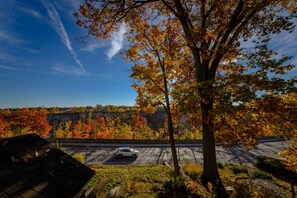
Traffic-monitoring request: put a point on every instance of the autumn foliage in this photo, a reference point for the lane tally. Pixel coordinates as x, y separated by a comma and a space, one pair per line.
23, 121
81, 122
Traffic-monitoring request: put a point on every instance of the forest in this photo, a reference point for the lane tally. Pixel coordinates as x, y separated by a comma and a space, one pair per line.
98, 122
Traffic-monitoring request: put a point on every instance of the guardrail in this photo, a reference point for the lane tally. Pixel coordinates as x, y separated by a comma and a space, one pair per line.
117, 141
78, 141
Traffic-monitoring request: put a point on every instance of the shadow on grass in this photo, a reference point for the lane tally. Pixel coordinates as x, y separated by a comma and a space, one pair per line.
123, 160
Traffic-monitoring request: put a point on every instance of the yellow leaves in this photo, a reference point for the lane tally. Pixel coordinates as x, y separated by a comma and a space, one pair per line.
132, 52
255, 116
290, 154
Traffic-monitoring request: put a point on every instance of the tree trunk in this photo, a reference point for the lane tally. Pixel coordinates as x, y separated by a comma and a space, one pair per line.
210, 168
210, 171
169, 119
172, 141
170, 130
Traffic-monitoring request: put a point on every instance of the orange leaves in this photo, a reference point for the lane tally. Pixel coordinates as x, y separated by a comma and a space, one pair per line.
132, 52
4, 132
265, 116
100, 129
26, 120
139, 120
290, 153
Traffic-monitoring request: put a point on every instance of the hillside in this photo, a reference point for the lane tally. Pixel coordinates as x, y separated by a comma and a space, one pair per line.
107, 122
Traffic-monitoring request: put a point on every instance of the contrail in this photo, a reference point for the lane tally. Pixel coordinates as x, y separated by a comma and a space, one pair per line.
60, 29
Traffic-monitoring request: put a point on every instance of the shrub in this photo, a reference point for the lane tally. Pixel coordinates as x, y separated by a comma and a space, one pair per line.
220, 165
238, 169
276, 167
243, 190
80, 157
175, 187
193, 170
261, 175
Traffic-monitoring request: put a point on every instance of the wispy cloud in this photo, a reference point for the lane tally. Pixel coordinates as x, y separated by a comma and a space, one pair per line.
285, 43
91, 46
31, 50
8, 57
11, 8
67, 70
28, 10
8, 68
10, 39
60, 29
117, 41
104, 76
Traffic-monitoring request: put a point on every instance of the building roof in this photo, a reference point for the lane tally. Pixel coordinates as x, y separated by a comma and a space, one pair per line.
31, 167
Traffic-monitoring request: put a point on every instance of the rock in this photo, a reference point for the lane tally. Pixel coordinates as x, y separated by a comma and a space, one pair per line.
229, 189
268, 188
113, 192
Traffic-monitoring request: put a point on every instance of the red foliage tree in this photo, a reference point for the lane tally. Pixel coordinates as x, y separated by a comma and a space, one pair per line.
25, 121
101, 131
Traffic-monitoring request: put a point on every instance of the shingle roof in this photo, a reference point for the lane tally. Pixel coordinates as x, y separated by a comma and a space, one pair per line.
31, 167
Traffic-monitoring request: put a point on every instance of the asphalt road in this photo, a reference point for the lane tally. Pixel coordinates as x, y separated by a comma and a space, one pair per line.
157, 154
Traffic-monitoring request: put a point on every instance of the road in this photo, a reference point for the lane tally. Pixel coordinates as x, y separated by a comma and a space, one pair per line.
157, 154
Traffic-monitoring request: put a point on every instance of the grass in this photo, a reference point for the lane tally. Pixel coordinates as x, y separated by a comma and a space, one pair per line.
277, 168
159, 181
136, 180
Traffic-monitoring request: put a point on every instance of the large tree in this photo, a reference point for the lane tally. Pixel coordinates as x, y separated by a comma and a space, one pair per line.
155, 54
213, 31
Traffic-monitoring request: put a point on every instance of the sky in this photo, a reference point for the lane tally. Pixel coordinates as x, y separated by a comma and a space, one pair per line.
44, 61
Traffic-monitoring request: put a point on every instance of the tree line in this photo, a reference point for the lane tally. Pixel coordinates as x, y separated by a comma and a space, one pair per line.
118, 122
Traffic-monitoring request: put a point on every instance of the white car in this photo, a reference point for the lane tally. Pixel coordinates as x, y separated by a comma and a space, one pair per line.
127, 152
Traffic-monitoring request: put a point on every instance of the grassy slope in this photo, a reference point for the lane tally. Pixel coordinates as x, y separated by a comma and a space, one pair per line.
158, 181
146, 180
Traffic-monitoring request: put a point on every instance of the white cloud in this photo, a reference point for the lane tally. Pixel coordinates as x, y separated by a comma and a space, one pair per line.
8, 68
60, 29
226, 62
9, 57
31, 50
10, 39
29, 11
67, 70
285, 42
91, 47
117, 41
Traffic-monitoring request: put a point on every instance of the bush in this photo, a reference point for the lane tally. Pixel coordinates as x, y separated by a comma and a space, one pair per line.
276, 167
238, 169
243, 190
80, 157
249, 189
193, 170
261, 175
220, 165
175, 187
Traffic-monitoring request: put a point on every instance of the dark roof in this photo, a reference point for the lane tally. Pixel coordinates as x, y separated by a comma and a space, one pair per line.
31, 167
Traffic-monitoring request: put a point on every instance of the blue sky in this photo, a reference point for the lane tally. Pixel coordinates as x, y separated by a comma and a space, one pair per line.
44, 63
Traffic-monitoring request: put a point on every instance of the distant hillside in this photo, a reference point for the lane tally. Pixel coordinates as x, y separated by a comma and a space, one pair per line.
105, 122
74, 114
